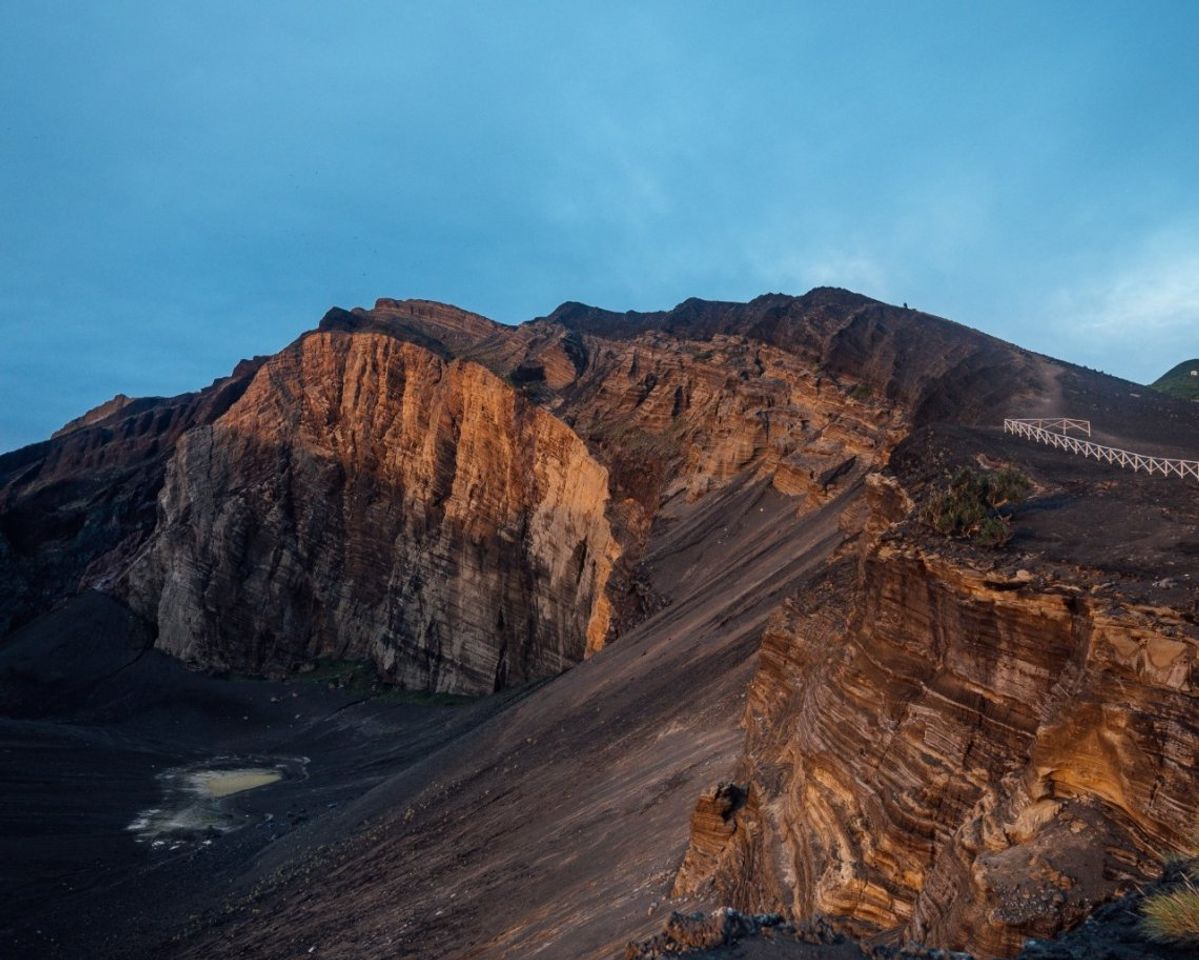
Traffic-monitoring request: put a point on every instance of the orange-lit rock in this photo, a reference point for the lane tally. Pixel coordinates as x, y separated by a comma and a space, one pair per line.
963, 755
368, 499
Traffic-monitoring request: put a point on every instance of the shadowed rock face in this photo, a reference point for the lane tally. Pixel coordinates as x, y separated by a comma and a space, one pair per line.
76, 508
366, 499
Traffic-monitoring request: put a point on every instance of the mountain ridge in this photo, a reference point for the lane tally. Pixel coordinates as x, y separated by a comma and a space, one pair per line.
665, 554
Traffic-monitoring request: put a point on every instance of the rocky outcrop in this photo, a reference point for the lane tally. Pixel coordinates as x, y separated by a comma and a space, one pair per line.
369, 499
101, 412
939, 747
673, 417
677, 410
681, 418
714, 827
967, 756
74, 509
727, 857
935, 368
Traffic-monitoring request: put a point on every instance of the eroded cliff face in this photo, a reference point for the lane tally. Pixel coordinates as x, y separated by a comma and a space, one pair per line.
677, 412
682, 418
673, 418
937, 746
75, 508
367, 498
969, 756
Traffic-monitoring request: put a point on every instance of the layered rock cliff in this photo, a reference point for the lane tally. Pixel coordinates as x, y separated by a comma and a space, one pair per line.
968, 755
75, 508
368, 499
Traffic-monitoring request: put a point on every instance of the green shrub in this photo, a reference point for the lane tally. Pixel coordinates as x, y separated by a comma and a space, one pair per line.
993, 532
1008, 485
1172, 916
969, 505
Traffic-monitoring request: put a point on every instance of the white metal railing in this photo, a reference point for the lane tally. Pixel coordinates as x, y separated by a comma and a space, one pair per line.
1045, 431
1062, 424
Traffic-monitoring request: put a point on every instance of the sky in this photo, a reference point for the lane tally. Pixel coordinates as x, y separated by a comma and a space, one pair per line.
184, 184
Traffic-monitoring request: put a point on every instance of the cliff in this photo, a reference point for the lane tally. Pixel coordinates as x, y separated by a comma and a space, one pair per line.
968, 755
74, 509
367, 499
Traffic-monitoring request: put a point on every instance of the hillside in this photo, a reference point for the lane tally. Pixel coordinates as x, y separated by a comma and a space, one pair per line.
1181, 381
526, 600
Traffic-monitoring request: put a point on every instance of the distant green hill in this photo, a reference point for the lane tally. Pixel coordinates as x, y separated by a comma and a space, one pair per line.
1179, 382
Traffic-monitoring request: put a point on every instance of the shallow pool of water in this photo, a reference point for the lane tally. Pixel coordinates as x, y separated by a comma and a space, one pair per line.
195, 805
225, 783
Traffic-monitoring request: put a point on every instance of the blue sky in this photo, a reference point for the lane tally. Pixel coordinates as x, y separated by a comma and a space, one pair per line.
184, 184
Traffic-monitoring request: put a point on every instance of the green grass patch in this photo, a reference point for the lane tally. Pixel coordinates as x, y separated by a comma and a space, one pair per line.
1172, 916
1179, 382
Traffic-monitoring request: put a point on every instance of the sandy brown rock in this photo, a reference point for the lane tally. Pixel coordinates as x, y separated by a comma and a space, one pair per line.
970, 758
703, 412
727, 854
368, 499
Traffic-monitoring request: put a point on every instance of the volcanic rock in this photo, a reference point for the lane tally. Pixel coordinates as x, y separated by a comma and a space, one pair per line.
969, 760
367, 499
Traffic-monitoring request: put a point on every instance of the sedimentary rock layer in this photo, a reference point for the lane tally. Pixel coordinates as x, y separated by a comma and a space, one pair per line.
971, 757
368, 499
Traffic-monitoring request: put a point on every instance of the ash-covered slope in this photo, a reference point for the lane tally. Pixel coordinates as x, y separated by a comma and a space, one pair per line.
934, 368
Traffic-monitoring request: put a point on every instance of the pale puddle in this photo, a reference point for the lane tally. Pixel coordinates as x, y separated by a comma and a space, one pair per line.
193, 808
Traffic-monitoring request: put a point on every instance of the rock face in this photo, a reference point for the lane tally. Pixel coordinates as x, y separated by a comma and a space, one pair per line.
964, 755
368, 499
75, 508
726, 858
102, 412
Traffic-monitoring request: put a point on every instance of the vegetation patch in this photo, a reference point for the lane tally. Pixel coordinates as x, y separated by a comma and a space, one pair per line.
1172, 916
1181, 382
361, 677
977, 505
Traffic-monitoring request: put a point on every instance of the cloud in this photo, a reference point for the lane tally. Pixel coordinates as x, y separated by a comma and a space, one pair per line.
789, 269
1153, 297
1144, 311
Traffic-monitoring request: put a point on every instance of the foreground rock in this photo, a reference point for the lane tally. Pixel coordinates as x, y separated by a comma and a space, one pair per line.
960, 754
